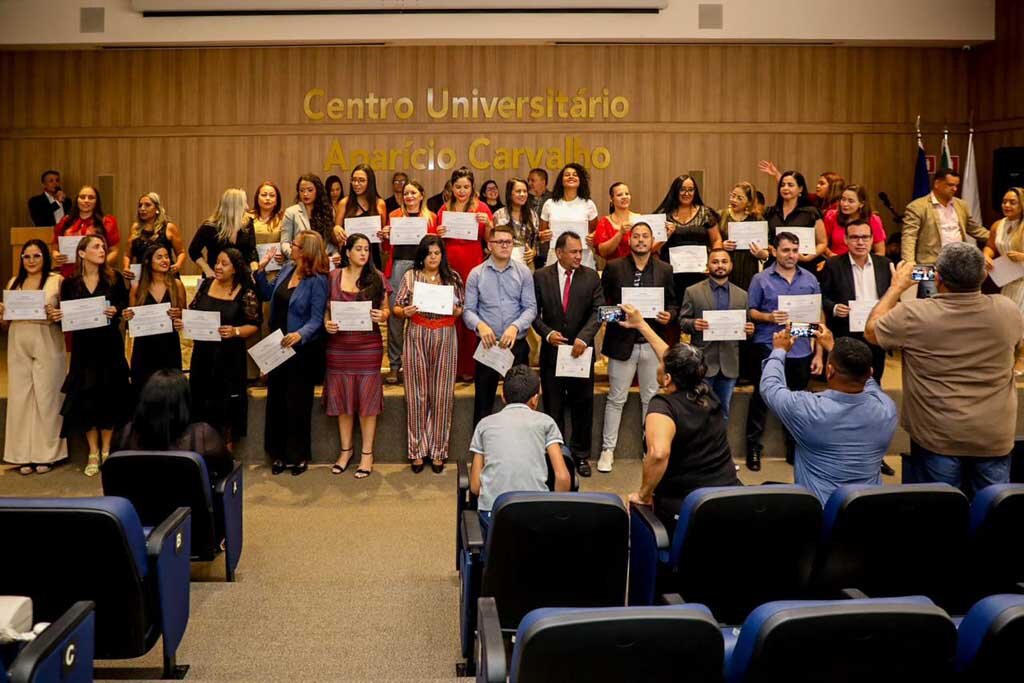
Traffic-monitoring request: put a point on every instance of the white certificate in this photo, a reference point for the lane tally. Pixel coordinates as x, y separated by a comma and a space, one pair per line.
657, 223
802, 308
725, 325
408, 230
749, 231
498, 358
519, 254
567, 366
581, 228
69, 246
860, 309
806, 237
201, 325
438, 299
136, 269
688, 259
22, 304
460, 225
83, 314
269, 353
1005, 271
150, 320
367, 225
650, 301
264, 249
352, 316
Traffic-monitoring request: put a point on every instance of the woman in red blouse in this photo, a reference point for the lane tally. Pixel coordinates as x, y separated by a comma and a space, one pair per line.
853, 206
86, 218
465, 255
612, 233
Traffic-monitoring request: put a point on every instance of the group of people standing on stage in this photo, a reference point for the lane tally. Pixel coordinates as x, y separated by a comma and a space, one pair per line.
269, 268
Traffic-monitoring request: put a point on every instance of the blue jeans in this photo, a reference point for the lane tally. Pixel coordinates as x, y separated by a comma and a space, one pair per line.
722, 386
969, 474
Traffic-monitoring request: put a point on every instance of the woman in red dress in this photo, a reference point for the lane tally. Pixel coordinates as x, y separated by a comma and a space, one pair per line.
86, 218
465, 255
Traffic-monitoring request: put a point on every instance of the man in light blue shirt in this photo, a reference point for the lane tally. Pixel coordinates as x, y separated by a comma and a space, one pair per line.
500, 307
841, 433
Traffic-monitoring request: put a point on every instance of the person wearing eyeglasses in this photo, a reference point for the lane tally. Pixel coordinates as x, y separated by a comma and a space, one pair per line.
500, 307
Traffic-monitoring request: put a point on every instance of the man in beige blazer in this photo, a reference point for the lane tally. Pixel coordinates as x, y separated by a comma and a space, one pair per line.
937, 219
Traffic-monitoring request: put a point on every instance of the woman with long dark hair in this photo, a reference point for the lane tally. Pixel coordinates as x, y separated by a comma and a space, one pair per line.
362, 200
335, 190
431, 350
524, 221
163, 422
35, 369
86, 218
353, 385
96, 389
792, 208
218, 369
854, 206
231, 225
570, 202
153, 226
311, 211
156, 286
491, 195
688, 222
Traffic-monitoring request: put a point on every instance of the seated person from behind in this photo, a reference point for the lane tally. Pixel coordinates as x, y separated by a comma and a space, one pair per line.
841, 433
687, 442
162, 422
509, 447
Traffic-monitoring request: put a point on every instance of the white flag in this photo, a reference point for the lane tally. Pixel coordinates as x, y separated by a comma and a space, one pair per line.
970, 187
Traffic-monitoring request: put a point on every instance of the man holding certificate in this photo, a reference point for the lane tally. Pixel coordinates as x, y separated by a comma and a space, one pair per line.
500, 305
781, 279
628, 353
714, 314
568, 296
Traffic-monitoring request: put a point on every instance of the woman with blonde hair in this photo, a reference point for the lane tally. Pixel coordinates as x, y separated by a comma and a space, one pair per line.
231, 225
742, 207
152, 226
1006, 238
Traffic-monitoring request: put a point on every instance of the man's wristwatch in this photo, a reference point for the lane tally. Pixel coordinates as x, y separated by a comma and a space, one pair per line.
237, 333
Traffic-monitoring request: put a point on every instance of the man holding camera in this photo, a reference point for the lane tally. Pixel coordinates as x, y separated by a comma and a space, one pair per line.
959, 395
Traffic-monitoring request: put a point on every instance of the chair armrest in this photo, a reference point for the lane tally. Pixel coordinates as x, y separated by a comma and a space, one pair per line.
491, 668
671, 599
463, 478
646, 514
169, 548
472, 534
852, 594
228, 495
63, 652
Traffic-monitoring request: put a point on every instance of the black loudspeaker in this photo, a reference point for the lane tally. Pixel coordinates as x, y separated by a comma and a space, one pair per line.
1007, 172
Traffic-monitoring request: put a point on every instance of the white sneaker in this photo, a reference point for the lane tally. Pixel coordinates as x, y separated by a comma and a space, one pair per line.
604, 463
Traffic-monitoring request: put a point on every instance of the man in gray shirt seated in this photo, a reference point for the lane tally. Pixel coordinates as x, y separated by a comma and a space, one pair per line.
509, 447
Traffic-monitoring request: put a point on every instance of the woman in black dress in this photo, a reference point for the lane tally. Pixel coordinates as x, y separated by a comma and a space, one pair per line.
218, 370
96, 389
156, 286
230, 226
688, 222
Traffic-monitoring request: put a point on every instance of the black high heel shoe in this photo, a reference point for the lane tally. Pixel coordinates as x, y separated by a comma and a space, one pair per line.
416, 469
437, 466
300, 468
277, 467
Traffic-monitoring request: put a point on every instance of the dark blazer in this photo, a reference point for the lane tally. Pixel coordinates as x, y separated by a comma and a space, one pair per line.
722, 355
579, 321
618, 273
307, 305
837, 288
41, 210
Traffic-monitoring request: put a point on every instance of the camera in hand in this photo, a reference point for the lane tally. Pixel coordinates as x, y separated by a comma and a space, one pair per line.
610, 314
803, 329
923, 274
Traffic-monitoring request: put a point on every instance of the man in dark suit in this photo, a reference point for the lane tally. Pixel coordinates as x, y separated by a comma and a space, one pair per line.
49, 207
722, 358
857, 276
568, 296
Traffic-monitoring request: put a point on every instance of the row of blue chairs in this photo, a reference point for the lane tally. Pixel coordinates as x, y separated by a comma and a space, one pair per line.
882, 640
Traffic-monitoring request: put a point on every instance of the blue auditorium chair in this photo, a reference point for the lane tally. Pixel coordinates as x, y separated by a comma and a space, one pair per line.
996, 553
543, 550
158, 482
96, 549
888, 640
603, 644
733, 549
884, 541
991, 644
62, 653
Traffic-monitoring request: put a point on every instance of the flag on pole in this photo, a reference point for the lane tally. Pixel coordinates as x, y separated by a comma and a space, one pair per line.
946, 159
970, 186
922, 184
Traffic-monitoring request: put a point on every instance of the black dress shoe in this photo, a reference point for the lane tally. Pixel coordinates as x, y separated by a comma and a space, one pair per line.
278, 467
583, 467
437, 466
416, 469
886, 470
754, 460
300, 468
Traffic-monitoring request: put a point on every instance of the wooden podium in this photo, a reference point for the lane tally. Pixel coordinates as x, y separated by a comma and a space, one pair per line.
21, 235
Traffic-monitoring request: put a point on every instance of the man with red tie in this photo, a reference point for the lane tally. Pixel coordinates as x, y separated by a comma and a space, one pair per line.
568, 296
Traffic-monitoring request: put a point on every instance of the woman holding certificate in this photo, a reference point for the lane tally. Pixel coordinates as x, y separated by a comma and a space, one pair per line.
218, 369
96, 389
465, 254
362, 200
156, 286
688, 222
793, 209
267, 215
402, 256
229, 226
86, 218
35, 364
153, 227
297, 298
1005, 238
743, 207
612, 233
354, 351
430, 355
524, 221
570, 208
